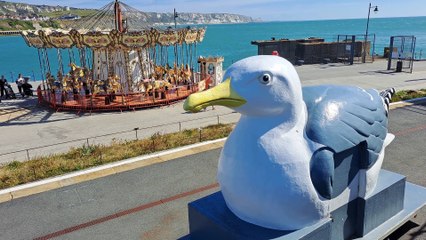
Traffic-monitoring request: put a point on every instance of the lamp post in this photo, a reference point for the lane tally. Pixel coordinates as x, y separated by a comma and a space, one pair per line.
376, 9
175, 15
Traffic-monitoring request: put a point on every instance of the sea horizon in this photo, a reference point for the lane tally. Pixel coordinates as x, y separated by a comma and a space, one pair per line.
233, 41
338, 19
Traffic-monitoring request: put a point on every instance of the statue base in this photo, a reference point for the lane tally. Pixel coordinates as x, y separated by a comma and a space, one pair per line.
393, 202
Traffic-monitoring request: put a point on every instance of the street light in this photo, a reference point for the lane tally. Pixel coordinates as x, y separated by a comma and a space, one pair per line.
376, 9
175, 15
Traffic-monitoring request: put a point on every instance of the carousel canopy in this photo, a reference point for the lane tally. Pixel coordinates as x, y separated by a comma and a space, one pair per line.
114, 38
116, 25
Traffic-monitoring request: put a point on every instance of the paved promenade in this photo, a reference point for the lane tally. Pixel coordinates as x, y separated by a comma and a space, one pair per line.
24, 125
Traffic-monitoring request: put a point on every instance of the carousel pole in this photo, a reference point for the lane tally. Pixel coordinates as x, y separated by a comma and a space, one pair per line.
118, 17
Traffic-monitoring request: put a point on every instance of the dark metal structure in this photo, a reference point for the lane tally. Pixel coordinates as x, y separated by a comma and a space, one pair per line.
401, 53
313, 50
349, 50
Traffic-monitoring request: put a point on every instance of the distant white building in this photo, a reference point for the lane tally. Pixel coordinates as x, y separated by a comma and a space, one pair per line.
69, 17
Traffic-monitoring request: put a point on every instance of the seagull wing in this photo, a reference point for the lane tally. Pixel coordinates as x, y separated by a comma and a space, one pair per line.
342, 117
351, 125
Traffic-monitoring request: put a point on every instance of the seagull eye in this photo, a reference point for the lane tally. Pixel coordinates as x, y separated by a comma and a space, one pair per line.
265, 78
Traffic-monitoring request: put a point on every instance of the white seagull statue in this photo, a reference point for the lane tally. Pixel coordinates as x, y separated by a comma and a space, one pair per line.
296, 153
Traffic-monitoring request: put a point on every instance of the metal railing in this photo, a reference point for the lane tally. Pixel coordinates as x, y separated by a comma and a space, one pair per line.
134, 133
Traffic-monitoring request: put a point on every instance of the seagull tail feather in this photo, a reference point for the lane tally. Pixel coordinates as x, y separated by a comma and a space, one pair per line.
387, 97
389, 138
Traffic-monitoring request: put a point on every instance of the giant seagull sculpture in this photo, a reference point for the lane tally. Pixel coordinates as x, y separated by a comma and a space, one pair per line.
296, 153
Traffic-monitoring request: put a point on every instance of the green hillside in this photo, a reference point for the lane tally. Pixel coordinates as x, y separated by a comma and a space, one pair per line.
13, 24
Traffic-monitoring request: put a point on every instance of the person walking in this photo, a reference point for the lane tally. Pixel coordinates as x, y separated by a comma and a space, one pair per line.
19, 83
2, 84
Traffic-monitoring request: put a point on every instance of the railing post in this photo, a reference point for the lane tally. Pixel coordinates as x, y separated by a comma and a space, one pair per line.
153, 144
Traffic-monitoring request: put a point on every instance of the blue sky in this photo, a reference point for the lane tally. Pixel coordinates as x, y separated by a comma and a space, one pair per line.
267, 10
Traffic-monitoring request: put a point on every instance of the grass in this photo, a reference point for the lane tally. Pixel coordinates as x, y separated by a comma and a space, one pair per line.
16, 173
13, 24
408, 94
50, 24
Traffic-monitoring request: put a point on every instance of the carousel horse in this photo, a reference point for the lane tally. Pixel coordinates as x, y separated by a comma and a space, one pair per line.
67, 83
159, 72
114, 83
147, 86
76, 70
97, 86
187, 73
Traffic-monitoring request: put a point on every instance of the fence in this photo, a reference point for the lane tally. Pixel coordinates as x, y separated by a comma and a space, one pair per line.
401, 53
134, 133
355, 48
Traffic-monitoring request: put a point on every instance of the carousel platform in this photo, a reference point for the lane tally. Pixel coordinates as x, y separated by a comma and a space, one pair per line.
113, 102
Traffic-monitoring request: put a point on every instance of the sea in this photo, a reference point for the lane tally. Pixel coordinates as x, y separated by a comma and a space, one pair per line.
233, 41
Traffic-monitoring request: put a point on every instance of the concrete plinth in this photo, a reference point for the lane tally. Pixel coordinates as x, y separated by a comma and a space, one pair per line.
390, 204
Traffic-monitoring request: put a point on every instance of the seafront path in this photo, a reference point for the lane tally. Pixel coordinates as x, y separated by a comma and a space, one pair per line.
24, 125
150, 202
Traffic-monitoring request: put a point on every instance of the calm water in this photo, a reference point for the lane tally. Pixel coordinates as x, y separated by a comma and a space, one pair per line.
233, 41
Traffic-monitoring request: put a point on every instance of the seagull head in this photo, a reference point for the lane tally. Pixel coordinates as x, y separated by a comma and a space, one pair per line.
255, 86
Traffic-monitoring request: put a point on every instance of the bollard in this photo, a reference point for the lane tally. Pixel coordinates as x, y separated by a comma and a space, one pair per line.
28, 155
87, 140
218, 121
180, 127
136, 132
200, 133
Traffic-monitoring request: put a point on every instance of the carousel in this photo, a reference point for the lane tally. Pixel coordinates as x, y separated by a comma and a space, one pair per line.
113, 61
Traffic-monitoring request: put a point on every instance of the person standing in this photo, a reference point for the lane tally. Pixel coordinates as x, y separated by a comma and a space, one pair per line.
19, 83
27, 88
2, 84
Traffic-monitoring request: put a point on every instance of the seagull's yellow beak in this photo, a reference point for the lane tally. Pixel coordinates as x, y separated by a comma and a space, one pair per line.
222, 94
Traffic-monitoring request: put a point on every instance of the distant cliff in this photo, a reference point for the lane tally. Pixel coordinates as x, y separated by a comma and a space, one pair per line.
35, 12
23, 10
197, 18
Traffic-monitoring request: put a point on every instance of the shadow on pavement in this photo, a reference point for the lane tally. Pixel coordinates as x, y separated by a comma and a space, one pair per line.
416, 80
404, 229
27, 111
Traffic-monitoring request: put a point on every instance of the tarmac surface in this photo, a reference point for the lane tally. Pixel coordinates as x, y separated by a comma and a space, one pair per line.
150, 202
